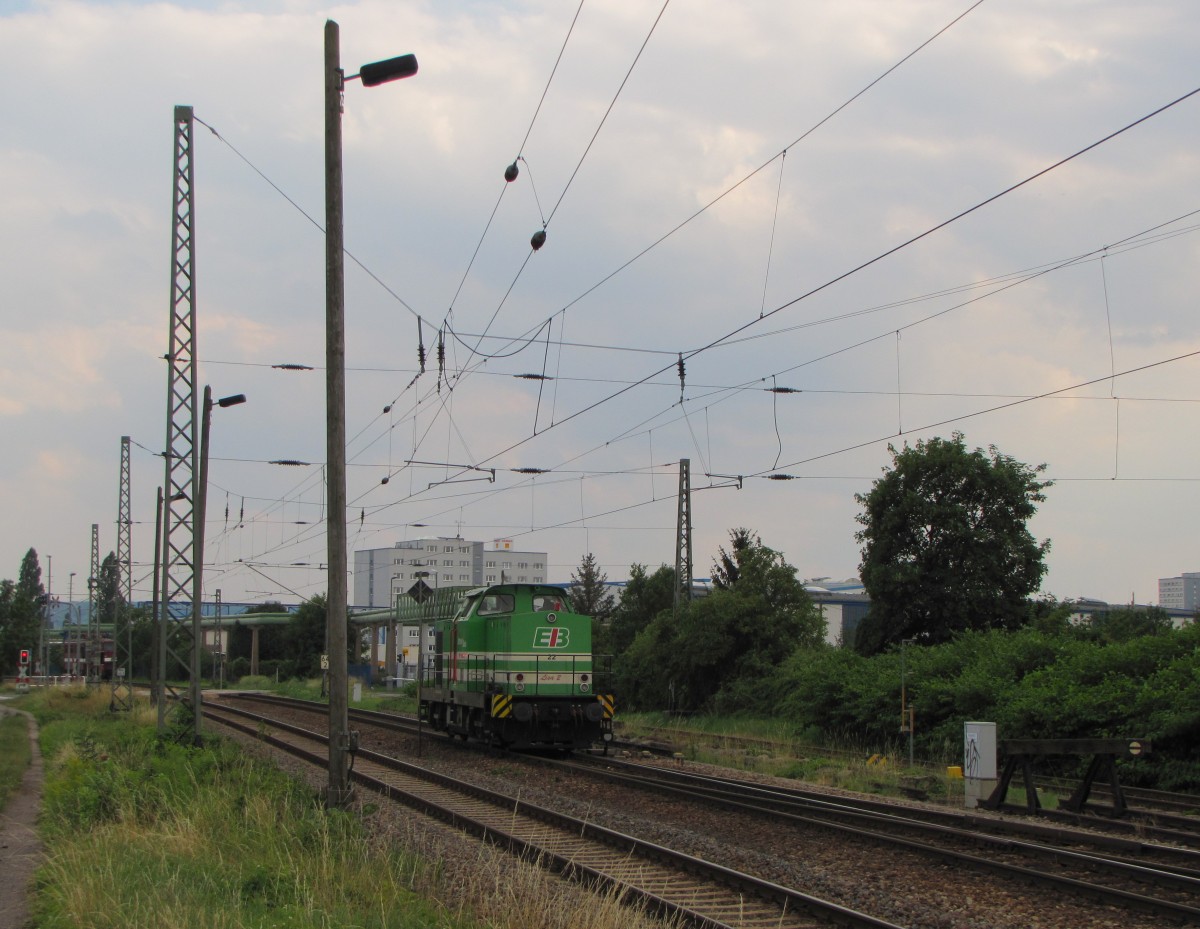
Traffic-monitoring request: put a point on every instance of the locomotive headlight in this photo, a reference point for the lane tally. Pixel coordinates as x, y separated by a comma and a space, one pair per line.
583, 677
520, 677
583, 688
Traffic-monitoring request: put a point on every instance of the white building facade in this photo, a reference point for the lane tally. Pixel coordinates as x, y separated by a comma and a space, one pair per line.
381, 573
1180, 593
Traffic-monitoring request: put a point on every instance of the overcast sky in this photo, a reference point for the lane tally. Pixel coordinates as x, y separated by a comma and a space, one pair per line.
1058, 322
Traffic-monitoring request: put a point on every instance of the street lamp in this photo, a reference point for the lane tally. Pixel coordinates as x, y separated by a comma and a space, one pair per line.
69, 620
338, 792
200, 496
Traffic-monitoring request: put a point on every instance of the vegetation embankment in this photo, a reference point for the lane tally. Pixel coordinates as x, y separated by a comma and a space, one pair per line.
142, 831
1069, 682
951, 632
15, 754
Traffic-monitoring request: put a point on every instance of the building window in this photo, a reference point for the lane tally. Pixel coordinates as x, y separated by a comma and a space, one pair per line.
491, 577
522, 565
490, 564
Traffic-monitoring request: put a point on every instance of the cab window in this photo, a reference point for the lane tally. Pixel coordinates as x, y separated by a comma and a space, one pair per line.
495, 603
547, 604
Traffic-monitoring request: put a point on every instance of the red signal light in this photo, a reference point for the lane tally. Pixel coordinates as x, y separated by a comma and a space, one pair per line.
24, 656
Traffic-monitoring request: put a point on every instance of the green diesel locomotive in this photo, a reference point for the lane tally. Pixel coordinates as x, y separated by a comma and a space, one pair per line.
514, 667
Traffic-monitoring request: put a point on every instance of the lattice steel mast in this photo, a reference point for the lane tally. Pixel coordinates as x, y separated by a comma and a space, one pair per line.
122, 674
683, 536
179, 638
95, 657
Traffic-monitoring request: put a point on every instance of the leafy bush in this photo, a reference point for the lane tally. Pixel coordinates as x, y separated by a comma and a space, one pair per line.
1031, 683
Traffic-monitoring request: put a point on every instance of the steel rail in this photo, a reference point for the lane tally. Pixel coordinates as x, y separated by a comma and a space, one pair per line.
834, 814
670, 882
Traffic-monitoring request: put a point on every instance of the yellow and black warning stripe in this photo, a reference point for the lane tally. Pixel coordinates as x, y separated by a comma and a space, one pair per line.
606, 701
501, 706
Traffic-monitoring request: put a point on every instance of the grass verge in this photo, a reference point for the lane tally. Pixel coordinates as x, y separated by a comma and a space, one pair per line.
15, 754
143, 832
767, 747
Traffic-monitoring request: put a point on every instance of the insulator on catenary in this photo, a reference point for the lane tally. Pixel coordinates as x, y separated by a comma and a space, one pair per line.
388, 408
538, 240
783, 390
511, 172
531, 470
534, 377
781, 477
385, 479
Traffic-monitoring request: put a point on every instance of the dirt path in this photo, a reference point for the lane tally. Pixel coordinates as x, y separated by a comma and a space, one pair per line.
20, 849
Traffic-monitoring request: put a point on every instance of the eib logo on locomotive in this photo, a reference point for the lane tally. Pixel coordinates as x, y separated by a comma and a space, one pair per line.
551, 637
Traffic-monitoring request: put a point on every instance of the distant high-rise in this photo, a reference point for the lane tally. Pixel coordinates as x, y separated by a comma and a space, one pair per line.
1180, 593
381, 573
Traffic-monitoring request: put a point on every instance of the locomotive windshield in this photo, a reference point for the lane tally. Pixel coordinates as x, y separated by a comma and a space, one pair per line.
547, 604
495, 603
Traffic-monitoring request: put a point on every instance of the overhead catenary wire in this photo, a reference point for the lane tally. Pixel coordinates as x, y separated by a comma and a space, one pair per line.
547, 343
1127, 240
1024, 399
862, 266
570, 181
607, 111
725, 193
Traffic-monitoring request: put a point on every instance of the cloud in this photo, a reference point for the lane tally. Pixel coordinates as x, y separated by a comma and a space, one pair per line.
720, 89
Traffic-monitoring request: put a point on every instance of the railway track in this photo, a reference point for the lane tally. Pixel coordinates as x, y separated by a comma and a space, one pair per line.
1122, 871
1108, 869
668, 881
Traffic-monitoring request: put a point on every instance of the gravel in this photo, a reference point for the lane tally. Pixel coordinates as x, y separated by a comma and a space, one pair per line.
903, 887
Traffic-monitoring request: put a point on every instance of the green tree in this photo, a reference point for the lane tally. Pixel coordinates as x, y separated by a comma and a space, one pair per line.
645, 596
269, 606
109, 600
742, 631
945, 543
725, 642
22, 608
727, 568
1128, 622
589, 593
304, 637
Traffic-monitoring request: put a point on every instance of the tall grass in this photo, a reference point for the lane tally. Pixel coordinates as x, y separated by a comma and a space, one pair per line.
15, 754
770, 747
143, 832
